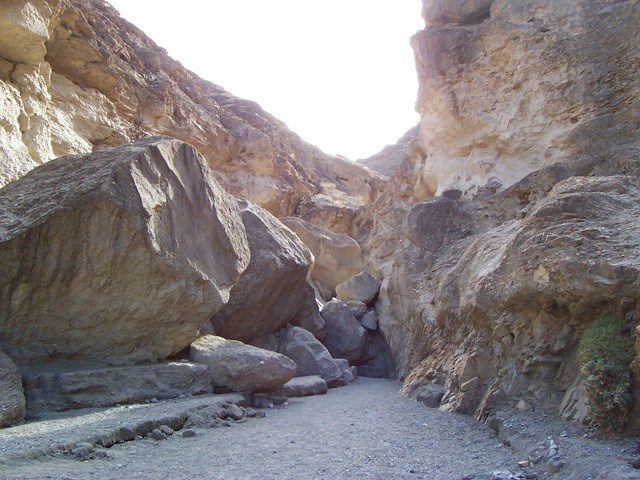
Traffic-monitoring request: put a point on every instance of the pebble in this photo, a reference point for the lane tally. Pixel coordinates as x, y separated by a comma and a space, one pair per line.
157, 434
153, 400
188, 433
166, 429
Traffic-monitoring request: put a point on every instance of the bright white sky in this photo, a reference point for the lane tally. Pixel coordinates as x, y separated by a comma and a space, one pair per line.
340, 73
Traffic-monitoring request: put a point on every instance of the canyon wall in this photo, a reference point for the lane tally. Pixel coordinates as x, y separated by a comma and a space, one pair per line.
75, 77
511, 222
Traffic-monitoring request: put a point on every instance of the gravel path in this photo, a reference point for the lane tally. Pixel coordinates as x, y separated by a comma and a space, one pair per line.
365, 430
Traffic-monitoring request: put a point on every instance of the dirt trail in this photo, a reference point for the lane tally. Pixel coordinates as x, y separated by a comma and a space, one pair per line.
365, 430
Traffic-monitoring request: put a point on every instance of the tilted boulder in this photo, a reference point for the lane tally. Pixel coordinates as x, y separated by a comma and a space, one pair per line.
311, 356
346, 338
239, 367
273, 290
361, 287
12, 400
121, 255
337, 255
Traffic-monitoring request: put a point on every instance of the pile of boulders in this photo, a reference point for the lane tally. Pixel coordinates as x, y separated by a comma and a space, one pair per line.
129, 275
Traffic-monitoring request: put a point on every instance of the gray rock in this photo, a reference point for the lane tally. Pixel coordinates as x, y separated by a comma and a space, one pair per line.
430, 222
429, 394
345, 336
12, 399
304, 386
239, 367
167, 430
234, 412
346, 374
273, 289
62, 386
156, 434
362, 287
188, 433
358, 308
377, 361
370, 320
107, 259
311, 356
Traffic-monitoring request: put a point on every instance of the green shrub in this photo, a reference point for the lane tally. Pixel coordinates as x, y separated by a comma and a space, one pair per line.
605, 353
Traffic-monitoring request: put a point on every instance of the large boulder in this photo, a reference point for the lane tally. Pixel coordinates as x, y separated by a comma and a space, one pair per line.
121, 255
346, 338
12, 400
273, 290
361, 287
239, 367
338, 256
311, 356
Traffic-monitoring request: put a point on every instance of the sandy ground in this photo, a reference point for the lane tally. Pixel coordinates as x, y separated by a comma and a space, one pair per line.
365, 430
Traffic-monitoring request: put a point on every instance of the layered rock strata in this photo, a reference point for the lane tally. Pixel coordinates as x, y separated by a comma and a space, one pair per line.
75, 76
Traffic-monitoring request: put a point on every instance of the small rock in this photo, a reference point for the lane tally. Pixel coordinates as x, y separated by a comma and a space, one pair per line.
524, 406
358, 308
156, 434
137, 437
370, 320
234, 412
167, 430
430, 394
252, 413
153, 400
188, 433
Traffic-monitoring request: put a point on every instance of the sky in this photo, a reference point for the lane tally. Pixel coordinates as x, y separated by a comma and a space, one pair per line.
340, 73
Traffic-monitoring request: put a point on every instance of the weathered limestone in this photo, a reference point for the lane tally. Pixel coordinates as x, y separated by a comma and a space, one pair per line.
239, 367
99, 257
273, 290
65, 387
337, 256
12, 400
95, 80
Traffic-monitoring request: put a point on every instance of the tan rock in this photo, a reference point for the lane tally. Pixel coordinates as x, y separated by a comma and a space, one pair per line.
273, 290
12, 400
361, 287
239, 367
100, 258
337, 256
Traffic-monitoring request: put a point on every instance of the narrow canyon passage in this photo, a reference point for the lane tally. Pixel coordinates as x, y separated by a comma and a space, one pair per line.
364, 430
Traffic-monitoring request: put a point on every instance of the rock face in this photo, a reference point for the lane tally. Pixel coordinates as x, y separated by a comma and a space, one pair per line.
345, 336
337, 256
75, 76
55, 389
239, 367
518, 199
100, 258
488, 114
273, 289
12, 400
